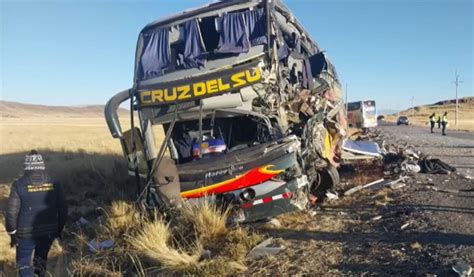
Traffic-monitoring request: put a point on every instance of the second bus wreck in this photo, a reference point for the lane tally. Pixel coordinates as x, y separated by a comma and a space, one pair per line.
249, 105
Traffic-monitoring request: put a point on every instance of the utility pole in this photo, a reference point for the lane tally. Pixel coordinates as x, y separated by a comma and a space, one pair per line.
456, 82
412, 106
347, 102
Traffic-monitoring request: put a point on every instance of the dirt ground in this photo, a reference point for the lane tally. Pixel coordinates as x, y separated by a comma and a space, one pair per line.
412, 231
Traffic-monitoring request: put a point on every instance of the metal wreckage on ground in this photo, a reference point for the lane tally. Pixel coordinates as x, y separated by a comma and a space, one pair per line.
249, 106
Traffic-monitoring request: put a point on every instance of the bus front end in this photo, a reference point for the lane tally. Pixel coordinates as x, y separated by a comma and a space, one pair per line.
236, 104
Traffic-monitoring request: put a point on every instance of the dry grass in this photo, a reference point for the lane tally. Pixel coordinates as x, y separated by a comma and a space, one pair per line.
81, 154
88, 266
209, 221
73, 134
213, 249
196, 243
122, 217
154, 242
78, 152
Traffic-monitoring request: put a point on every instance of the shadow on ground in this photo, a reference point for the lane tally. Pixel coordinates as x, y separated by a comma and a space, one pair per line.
91, 181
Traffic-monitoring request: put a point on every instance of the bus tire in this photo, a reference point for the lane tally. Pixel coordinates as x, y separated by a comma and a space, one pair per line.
327, 178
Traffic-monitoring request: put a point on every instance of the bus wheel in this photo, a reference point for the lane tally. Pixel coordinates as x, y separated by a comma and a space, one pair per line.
326, 178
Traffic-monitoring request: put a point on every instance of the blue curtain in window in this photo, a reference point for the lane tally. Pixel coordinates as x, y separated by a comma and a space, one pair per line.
194, 47
233, 36
156, 54
308, 82
256, 26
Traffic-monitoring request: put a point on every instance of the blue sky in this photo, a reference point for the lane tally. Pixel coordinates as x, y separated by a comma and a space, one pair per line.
81, 52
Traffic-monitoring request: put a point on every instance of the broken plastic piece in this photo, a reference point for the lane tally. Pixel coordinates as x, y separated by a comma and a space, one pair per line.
377, 218
274, 222
82, 222
95, 245
331, 196
397, 185
410, 168
404, 226
360, 187
265, 249
389, 183
462, 269
362, 147
455, 191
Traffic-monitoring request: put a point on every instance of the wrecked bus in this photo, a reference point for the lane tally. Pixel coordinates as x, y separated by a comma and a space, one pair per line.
235, 102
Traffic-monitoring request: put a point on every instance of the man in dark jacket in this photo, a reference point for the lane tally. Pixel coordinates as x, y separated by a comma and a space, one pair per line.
36, 215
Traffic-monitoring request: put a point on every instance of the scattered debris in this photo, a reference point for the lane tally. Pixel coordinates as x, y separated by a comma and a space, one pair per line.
95, 245
81, 222
360, 187
411, 154
410, 168
397, 185
462, 269
348, 156
331, 196
265, 248
376, 218
313, 213
455, 191
365, 148
389, 183
435, 166
465, 176
416, 246
404, 226
274, 222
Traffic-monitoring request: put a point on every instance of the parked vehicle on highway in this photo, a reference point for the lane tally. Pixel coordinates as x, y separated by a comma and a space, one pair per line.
362, 114
236, 103
403, 120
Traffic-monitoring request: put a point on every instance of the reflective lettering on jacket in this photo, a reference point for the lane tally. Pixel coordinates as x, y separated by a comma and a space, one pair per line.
38, 213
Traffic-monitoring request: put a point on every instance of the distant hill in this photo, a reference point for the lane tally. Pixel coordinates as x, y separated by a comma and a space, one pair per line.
419, 115
464, 100
386, 111
21, 110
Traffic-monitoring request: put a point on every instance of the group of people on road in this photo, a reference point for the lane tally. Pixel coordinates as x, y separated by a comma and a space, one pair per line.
441, 120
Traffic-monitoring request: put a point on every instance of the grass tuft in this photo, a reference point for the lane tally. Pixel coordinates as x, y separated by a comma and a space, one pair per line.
153, 241
209, 221
122, 217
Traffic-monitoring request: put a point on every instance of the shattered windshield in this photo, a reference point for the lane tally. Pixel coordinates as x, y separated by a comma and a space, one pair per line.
194, 42
219, 136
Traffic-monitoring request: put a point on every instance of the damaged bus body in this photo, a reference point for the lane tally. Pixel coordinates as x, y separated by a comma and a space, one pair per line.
248, 104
